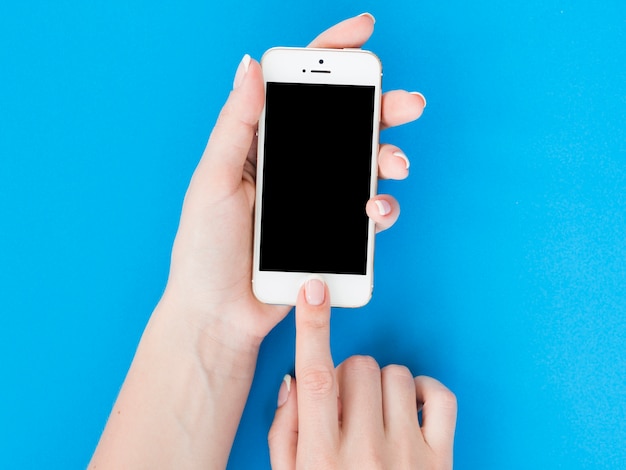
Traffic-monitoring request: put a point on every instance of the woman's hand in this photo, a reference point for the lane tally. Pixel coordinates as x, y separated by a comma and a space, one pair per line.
356, 416
185, 392
210, 275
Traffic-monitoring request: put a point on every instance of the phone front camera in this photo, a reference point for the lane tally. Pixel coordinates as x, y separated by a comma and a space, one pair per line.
303, 70
321, 61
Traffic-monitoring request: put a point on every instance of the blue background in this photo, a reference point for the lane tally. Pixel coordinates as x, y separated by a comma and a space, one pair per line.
505, 276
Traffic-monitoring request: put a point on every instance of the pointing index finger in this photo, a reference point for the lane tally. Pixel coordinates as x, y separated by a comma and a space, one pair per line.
315, 372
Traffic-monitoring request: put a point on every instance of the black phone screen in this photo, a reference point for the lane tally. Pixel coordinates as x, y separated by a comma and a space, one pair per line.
316, 178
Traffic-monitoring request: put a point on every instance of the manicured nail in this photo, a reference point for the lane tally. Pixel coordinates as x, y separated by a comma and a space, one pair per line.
241, 71
314, 290
283, 393
383, 206
370, 15
403, 157
417, 93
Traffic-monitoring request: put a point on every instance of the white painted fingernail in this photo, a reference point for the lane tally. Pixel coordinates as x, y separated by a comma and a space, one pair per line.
369, 15
403, 157
287, 379
283, 393
314, 290
417, 93
383, 206
241, 71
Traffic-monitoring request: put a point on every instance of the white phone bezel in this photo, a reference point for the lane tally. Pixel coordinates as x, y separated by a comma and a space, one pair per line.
347, 67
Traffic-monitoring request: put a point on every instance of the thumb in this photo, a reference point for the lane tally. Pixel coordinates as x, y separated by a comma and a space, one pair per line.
222, 164
283, 435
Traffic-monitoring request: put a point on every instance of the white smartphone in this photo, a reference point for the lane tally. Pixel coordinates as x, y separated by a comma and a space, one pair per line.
316, 170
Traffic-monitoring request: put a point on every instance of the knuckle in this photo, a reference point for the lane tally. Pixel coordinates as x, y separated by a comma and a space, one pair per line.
316, 322
436, 392
398, 371
448, 399
362, 363
321, 461
316, 380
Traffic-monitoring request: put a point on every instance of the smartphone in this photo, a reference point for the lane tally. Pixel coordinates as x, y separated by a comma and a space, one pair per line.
316, 170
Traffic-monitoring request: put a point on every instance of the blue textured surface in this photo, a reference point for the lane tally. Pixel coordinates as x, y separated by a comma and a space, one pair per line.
505, 276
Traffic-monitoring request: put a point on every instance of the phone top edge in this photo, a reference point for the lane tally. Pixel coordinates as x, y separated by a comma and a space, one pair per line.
326, 49
311, 50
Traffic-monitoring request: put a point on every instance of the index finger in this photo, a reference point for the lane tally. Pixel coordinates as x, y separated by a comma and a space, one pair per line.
398, 106
352, 32
318, 424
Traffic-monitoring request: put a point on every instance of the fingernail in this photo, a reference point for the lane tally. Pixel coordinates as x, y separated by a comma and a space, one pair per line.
314, 290
403, 157
417, 93
241, 71
370, 15
383, 206
283, 393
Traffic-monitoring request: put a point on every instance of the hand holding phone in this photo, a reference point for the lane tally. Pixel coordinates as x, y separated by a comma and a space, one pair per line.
213, 253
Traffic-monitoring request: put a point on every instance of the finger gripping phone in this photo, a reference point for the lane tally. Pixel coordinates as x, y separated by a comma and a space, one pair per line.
316, 170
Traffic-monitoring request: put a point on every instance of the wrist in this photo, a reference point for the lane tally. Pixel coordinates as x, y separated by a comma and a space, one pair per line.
208, 336
184, 387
